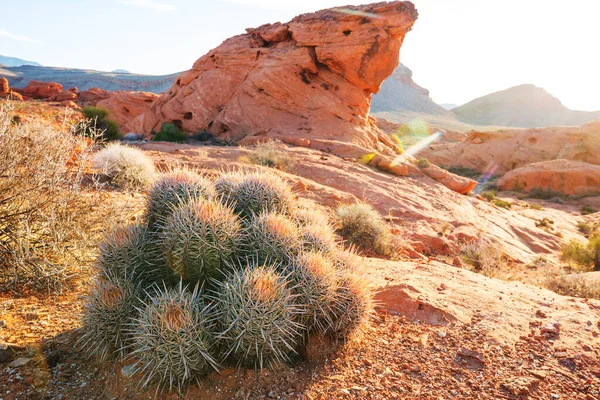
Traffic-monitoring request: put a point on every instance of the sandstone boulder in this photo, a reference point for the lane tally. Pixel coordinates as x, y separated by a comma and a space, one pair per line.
311, 78
6, 92
510, 149
560, 176
42, 90
93, 95
124, 107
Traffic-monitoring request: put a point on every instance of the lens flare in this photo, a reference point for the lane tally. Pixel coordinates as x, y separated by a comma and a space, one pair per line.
358, 12
416, 148
486, 176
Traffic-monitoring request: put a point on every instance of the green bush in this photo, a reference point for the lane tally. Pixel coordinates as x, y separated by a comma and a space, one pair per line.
577, 253
361, 225
125, 167
535, 206
169, 132
584, 228
502, 203
489, 195
98, 121
423, 162
542, 194
587, 209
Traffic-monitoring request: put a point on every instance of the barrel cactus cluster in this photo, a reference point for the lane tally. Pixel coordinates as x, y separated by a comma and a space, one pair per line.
221, 272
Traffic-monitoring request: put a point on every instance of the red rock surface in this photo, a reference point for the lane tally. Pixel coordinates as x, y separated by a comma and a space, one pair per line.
93, 95
42, 90
6, 92
310, 78
510, 149
125, 106
560, 176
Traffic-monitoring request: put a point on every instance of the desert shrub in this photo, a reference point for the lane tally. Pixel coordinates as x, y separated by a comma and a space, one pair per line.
423, 162
171, 338
169, 132
264, 281
269, 154
99, 122
125, 167
466, 172
576, 252
483, 257
544, 223
502, 203
109, 309
361, 225
489, 195
586, 229
535, 206
574, 285
587, 209
258, 316
49, 219
542, 194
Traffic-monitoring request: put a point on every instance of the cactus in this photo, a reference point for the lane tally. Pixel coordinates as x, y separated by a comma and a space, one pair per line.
259, 192
226, 186
306, 213
354, 305
347, 260
200, 239
273, 237
172, 190
318, 238
109, 308
316, 286
171, 338
257, 315
133, 253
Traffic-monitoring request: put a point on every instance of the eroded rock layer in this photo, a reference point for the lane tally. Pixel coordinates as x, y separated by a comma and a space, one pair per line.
312, 78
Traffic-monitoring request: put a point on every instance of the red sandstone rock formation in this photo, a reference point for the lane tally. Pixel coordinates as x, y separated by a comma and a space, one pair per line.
124, 106
560, 176
310, 78
93, 96
6, 92
42, 90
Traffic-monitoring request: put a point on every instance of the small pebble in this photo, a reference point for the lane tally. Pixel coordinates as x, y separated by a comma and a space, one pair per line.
442, 334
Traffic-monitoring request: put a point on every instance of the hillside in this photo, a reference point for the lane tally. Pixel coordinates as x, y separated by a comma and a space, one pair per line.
16, 62
523, 106
85, 79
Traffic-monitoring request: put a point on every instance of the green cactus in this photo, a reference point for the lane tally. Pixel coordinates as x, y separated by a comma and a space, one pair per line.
259, 192
273, 237
257, 315
200, 239
317, 289
172, 190
354, 305
226, 186
110, 306
133, 252
318, 238
171, 338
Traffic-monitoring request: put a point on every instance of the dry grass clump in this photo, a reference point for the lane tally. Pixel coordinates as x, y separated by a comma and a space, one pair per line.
125, 167
270, 154
483, 257
48, 216
575, 285
423, 163
361, 225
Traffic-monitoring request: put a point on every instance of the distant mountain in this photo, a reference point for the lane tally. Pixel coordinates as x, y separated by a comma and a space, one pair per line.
121, 71
16, 62
400, 93
524, 106
449, 106
84, 79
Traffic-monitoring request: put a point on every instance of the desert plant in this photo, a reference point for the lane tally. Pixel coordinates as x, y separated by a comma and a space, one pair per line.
584, 228
489, 195
134, 253
109, 308
319, 238
347, 260
310, 214
544, 223
543, 194
171, 338
273, 237
169, 132
173, 189
258, 192
574, 285
258, 315
594, 250
354, 305
50, 219
502, 203
99, 122
200, 239
423, 163
587, 209
482, 256
125, 167
536, 206
361, 225
575, 252
269, 154
226, 186
317, 290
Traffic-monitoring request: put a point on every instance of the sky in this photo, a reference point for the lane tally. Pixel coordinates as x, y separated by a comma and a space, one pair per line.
458, 49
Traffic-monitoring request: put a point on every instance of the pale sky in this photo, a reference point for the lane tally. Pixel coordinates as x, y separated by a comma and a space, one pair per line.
458, 49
